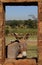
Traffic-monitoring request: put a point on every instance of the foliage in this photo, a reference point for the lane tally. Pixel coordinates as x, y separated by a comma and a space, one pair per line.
6, 30
28, 23
21, 26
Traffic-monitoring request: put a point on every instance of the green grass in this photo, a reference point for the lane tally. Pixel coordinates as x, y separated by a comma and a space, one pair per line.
8, 39
32, 51
25, 30
31, 47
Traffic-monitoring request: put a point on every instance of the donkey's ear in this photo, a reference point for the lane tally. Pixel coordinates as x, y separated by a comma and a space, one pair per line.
26, 36
16, 35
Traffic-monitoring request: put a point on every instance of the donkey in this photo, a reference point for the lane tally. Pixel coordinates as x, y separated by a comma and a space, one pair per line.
22, 43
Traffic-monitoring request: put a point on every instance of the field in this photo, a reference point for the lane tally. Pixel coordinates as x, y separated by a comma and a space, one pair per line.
31, 42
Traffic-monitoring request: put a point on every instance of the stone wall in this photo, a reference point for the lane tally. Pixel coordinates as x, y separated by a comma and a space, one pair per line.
19, 0
2, 45
40, 34
2, 20
20, 62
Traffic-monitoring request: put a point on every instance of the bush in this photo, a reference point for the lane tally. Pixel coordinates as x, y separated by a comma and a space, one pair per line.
6, 31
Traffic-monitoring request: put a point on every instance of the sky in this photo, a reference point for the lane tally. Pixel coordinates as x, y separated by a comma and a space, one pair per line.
20, 12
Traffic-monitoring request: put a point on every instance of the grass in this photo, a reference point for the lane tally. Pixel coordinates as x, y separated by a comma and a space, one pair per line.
8, 39
32, 50
32, 45
25, 30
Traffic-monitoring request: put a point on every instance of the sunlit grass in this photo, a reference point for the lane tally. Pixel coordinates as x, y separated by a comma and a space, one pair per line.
31, 47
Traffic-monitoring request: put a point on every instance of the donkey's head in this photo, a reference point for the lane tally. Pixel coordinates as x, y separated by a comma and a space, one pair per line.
23, 42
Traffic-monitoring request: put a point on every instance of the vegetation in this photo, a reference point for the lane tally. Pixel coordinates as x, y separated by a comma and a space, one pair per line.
28, 23
23, 26
18, 26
